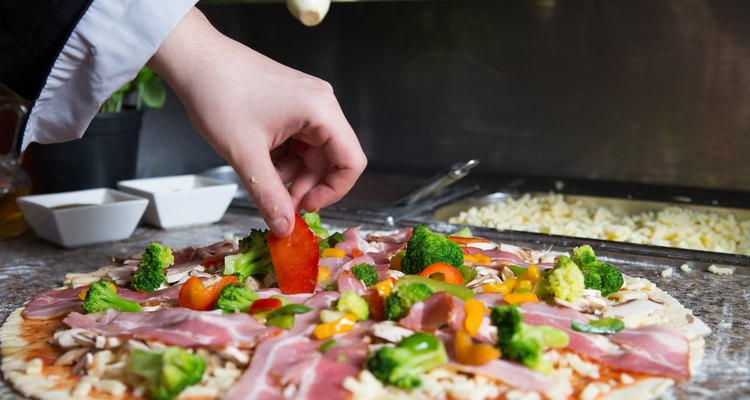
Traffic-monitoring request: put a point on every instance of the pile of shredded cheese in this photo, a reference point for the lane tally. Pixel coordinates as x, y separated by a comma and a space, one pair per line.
672, 226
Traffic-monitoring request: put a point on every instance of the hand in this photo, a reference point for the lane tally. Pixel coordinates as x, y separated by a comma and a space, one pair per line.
273, 124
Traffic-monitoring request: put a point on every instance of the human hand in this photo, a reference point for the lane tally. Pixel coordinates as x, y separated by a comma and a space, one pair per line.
273, 124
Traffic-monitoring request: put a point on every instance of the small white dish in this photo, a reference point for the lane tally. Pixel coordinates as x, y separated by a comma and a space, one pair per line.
182, 200
83, 217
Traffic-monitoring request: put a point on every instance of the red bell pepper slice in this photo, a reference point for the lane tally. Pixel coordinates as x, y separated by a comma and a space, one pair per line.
295, 259
195, 296
450, 274
264, 305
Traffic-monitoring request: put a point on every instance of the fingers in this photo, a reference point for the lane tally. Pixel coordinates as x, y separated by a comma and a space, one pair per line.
268, 192
345, 162
288, 168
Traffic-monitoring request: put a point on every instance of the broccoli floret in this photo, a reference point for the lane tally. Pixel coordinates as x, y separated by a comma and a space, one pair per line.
102, 295
351, 302
168, 372
584, 256
591, 277
313, 221
332, 240
565, 280
611, 278
425, 247
150, 273
403, 364
366, 273
236, 298
525, 343
254, 258
398, 304
597, 275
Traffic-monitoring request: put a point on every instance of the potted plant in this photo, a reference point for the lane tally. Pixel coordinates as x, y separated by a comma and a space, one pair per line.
108, 151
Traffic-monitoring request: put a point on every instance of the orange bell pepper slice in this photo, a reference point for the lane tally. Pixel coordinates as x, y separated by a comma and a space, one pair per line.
449, 273
196, 296
516, 298
473, 354
385, 287
474, 315
341, 325
295, 259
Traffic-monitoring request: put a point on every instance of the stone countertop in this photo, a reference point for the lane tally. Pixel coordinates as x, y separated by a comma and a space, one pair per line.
29, 265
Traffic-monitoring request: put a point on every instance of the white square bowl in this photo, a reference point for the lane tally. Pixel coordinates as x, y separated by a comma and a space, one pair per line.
182, 200
83, 217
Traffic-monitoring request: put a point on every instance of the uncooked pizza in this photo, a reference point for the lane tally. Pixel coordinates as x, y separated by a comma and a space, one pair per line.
330, 315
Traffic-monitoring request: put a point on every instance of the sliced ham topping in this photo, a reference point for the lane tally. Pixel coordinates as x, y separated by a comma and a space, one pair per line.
653, 350
177, 326
347, 281
294, 358
434, 312
56, 303
650, 350
195, 253
363, 259
512, 373
442, 309
397, 237
351, 240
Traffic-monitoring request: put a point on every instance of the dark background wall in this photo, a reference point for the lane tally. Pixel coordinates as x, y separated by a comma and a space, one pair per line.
625, 90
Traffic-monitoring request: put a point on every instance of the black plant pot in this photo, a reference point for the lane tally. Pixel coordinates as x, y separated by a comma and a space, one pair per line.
106, 154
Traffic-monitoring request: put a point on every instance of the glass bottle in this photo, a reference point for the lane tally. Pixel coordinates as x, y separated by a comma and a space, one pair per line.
14, 182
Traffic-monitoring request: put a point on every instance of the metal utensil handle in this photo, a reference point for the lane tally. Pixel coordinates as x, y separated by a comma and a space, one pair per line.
453, 174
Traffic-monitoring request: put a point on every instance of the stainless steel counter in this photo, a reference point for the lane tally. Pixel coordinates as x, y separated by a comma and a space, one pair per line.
29, 265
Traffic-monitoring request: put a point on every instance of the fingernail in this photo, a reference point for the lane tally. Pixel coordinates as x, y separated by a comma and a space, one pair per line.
279, 225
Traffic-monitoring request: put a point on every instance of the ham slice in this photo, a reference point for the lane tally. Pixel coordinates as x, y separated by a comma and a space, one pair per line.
512, 373
650, 350
177, 326
56, 303
293, 357
443, 309
397, 237
347, 281
351, 240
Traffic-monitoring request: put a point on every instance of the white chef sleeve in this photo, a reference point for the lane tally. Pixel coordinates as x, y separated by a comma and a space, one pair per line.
111, 42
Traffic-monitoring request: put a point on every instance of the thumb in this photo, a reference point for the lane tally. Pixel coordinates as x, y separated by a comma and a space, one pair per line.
259, 176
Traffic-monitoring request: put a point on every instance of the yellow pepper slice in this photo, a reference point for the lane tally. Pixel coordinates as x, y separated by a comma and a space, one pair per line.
83, 293
385, 287
523, 285
341, 325
532, 274
474, 315
515, 298
473, 354
333, 252
504, 288
323, 274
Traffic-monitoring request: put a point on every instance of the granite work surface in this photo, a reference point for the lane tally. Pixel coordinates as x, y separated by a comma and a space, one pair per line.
29, 265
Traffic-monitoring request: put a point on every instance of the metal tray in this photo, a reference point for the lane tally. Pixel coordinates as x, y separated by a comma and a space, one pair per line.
617, 205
